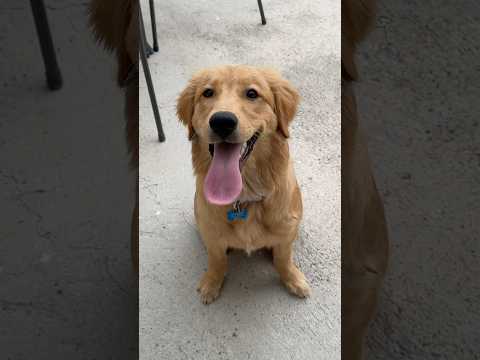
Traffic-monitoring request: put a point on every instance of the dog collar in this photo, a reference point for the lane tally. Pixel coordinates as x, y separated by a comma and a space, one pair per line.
237, 212
249, 148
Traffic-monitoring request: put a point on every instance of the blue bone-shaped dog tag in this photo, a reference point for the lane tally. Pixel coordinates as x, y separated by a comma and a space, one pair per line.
232, 214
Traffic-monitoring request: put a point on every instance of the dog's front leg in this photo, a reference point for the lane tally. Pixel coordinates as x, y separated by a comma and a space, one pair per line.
211, 282
290, 275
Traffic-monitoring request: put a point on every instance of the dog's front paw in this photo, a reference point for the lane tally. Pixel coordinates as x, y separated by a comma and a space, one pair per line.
297, 284
209, 288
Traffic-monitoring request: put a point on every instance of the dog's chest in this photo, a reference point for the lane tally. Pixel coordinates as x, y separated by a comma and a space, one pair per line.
253, 190
248, 239
252, 233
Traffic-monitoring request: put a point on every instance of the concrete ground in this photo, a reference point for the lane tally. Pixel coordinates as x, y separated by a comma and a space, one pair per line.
255, 317
418, 100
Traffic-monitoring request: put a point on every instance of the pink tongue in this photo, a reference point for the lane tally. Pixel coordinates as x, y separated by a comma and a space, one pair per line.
223, 183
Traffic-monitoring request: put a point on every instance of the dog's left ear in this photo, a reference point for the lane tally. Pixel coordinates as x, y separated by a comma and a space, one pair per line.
185, 107
286, 99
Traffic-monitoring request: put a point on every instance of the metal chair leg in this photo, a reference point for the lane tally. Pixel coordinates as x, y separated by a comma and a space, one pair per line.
143, 38
148, 49
148, 78
262, 15
54, 77
154, 26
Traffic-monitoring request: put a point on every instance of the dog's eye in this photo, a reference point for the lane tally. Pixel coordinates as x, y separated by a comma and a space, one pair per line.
252, 94
208, 93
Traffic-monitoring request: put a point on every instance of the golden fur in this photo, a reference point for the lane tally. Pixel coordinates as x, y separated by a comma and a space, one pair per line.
364, 230
115, 25
269, 185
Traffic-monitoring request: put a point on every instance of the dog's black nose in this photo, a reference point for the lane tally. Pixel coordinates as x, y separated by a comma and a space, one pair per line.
223, 123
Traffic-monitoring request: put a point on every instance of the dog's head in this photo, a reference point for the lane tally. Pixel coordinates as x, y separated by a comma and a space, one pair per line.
227, 108
231, 103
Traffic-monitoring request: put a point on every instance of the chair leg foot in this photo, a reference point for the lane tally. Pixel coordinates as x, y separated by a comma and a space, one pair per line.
262, 14
54, 79
148, 49
52, 70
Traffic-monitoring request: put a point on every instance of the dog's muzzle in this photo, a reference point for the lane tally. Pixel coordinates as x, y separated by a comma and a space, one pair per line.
247, 148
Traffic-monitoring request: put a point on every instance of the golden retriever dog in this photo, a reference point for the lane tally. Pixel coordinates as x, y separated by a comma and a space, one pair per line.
115, 25
364, 230
247, 196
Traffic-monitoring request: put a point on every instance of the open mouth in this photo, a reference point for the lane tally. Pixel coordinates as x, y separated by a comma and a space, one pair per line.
245, 150
223, 183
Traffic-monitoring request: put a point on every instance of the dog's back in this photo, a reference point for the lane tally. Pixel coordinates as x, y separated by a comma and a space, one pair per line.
115, 25
364, 232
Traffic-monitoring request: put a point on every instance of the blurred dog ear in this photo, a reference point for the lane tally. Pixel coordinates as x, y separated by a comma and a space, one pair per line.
115, 25
357, 19
185, 107
286, 100
130, 55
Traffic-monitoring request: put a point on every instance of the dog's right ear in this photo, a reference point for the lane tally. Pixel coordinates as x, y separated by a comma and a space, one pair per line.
286, 99
185, 107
